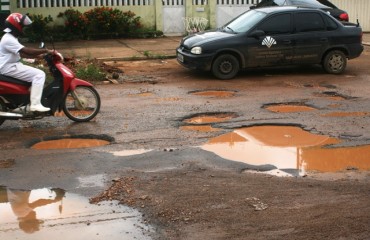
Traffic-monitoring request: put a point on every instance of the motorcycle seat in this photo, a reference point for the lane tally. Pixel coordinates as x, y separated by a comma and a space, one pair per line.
4, 78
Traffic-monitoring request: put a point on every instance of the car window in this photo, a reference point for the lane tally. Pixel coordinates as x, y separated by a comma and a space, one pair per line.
280, 24
330, 23
245, 22
308, 22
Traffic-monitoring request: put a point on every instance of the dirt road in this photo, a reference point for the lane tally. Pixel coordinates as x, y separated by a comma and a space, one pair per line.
165, 120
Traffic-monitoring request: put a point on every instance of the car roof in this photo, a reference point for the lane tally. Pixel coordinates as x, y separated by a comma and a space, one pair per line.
273, 9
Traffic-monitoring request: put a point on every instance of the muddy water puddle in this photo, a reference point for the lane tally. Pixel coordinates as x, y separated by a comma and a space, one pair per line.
70, 143
210, 118
55, 214
288, 149
214, 93
288, 108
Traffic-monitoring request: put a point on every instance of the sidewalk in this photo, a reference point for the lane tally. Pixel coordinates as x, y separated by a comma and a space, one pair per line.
120, 49
126, 49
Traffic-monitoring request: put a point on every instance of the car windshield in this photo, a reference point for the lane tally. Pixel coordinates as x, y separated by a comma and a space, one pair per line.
245, 22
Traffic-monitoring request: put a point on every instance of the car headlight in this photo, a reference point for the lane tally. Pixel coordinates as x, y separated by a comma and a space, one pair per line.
196, 50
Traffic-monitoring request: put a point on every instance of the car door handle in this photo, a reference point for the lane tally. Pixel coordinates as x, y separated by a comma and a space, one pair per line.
324, 40
287, 42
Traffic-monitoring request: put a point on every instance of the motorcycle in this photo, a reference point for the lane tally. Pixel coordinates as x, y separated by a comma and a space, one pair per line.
78, 99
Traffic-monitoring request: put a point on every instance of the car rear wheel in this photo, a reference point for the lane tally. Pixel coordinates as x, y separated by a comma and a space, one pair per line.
335, 62
225, 66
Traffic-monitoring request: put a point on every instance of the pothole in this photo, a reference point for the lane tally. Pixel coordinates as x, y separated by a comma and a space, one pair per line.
7, 163
200, 128
49, 212
346, 114
334, 96
210, 118
288, 107
287, 149
214, 93
73, 142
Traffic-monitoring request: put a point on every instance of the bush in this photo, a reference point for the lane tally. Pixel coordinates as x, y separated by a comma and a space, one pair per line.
75, 23
109, 22
97, 23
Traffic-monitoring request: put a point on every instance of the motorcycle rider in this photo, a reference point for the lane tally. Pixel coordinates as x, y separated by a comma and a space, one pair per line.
11, 51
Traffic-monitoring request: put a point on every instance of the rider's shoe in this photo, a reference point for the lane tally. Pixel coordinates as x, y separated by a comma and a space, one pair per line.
36, 106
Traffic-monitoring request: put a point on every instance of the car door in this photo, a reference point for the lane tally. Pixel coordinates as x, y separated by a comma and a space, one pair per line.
275, 46
310, 38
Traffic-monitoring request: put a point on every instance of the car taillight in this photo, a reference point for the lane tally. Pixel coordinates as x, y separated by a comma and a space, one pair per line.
344, 17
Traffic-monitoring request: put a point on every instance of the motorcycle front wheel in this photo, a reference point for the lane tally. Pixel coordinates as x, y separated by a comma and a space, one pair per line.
82, 104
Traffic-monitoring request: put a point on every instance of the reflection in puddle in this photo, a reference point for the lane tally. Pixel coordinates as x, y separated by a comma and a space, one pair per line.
288, 108
201, 128
54, 214
214, 93
288, 148
346, 114
125, 153
69, 143
211, 118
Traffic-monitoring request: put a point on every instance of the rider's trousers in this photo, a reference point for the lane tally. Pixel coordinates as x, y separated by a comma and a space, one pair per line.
26, 73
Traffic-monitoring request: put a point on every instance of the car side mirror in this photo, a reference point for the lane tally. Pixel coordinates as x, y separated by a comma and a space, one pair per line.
252, 7
257, 34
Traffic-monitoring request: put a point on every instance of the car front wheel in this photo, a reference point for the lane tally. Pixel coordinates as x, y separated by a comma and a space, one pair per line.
225, 66
335, 62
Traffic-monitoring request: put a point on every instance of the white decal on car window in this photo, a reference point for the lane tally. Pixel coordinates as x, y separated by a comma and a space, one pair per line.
268, 41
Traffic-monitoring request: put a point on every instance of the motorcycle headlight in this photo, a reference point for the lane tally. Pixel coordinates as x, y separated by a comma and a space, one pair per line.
196, 50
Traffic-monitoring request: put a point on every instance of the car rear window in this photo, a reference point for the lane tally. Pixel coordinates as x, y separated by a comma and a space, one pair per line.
309, 22
330, 23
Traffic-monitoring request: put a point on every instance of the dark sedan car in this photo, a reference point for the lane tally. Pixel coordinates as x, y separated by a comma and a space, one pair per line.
324, 5
273, 36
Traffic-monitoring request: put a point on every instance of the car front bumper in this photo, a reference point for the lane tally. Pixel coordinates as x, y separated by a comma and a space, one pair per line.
199, 62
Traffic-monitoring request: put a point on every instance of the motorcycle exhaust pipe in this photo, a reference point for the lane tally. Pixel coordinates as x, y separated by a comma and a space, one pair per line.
10, 115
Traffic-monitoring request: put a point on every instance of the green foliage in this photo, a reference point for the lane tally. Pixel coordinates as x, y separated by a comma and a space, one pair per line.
39, 29
90, 73
97, 23
75, 23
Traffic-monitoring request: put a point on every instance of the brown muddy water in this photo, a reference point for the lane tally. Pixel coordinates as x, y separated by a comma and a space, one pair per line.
214, 93
288, 149
288, 108
210, 118
55, 214
69, 143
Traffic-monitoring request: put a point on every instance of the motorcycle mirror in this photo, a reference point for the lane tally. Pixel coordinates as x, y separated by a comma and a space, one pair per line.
42, 45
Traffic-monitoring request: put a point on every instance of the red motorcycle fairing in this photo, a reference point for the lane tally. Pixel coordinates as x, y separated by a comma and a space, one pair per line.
11, 88
70, 80
79, 82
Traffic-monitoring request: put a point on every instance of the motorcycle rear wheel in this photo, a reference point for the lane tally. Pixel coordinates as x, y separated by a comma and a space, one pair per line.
2, 109
82, 104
